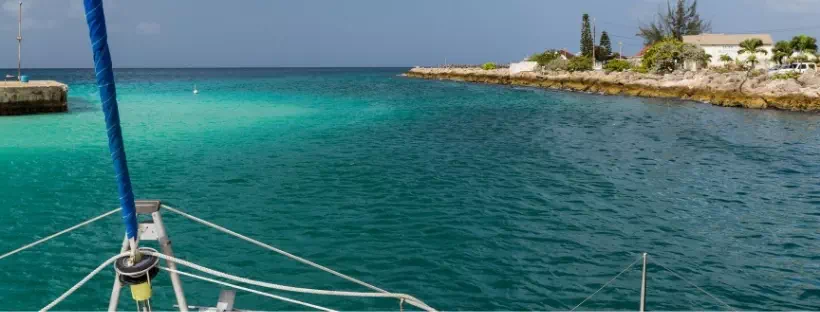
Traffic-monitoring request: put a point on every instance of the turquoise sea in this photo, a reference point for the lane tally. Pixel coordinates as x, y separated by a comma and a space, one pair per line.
470, 197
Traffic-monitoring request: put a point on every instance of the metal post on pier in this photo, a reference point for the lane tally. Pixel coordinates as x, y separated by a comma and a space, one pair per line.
19, 39
643, 285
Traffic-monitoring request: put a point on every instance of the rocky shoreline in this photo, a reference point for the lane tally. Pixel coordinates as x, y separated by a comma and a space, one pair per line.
732, 89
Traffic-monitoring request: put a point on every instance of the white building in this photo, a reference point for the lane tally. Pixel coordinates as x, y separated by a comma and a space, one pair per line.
522, 67
722, 44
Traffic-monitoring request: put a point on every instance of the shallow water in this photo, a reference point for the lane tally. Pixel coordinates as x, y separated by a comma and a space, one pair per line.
470, 197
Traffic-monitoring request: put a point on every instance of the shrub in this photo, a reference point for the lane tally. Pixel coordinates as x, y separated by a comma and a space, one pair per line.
786, 76
544, 58
802, 58
662, 56
557, 64
669, 54
617, 66
581, 63
641, 69
757, 73
489, 66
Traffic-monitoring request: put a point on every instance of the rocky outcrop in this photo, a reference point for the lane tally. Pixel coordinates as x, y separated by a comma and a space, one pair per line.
736, 89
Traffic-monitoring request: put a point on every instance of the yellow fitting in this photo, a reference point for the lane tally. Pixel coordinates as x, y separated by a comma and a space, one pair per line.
141, 292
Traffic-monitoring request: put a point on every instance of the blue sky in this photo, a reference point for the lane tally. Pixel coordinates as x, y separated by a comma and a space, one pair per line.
223, 33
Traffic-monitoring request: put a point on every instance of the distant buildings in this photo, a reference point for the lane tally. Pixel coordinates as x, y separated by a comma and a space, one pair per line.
522, 67
566, 55
723, 44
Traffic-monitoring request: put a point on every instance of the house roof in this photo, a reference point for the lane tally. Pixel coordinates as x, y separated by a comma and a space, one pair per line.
566, 54
643, 51
724, 39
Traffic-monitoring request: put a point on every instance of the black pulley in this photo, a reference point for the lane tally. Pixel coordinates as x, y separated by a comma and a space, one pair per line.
134, 280
136, 273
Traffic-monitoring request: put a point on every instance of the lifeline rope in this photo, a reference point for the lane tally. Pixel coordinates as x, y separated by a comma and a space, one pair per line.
607, 283
200, 268
415, 302
261, 293
47, 238
83, 281
284, 287
693, 285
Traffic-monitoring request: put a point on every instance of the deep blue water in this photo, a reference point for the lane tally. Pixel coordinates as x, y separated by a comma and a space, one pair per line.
470, 197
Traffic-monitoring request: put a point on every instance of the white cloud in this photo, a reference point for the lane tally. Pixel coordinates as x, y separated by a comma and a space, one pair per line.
794, 6
148, 28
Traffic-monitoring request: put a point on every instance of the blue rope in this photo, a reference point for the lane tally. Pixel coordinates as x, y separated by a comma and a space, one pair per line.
95, 17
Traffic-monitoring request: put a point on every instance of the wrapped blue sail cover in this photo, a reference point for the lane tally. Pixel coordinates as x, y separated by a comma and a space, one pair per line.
95, 17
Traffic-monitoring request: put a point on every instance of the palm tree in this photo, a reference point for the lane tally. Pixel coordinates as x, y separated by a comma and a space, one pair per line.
752, 46
804, 44
782, 51
752, 59
725, 59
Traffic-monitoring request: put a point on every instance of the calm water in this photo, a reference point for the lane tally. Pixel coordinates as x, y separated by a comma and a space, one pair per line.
471, 197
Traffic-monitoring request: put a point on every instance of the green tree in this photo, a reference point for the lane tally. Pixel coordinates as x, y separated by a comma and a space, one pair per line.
581, 63
804, 44
800, 58
663, 56
782, 51
586, 37
617, 66
682, 21
544, 58
752, 60
669, 54
489, 66
605, 44
725, 59
752, 46
601, 54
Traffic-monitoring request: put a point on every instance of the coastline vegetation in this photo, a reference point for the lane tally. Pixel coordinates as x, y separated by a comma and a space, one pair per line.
786, 76
617, 66
544, 58
489, 66
587, 41
752, 46
666, 53
558, 64
581, 63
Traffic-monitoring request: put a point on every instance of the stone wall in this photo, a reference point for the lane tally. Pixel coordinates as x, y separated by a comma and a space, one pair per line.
735, 89
32, 98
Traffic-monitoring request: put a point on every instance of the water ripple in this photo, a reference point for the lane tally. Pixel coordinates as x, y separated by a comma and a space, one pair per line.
471, 197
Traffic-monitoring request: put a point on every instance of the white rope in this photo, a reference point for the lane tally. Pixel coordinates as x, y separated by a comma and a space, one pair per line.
81, 224
696, 286
261, 293
607, 284
415, 302
83, 281
200, 268
243, 280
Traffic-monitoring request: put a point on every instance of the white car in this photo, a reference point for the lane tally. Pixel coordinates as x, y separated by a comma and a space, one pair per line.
793, 68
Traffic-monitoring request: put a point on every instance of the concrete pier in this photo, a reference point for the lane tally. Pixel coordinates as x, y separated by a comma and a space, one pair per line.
33, 97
